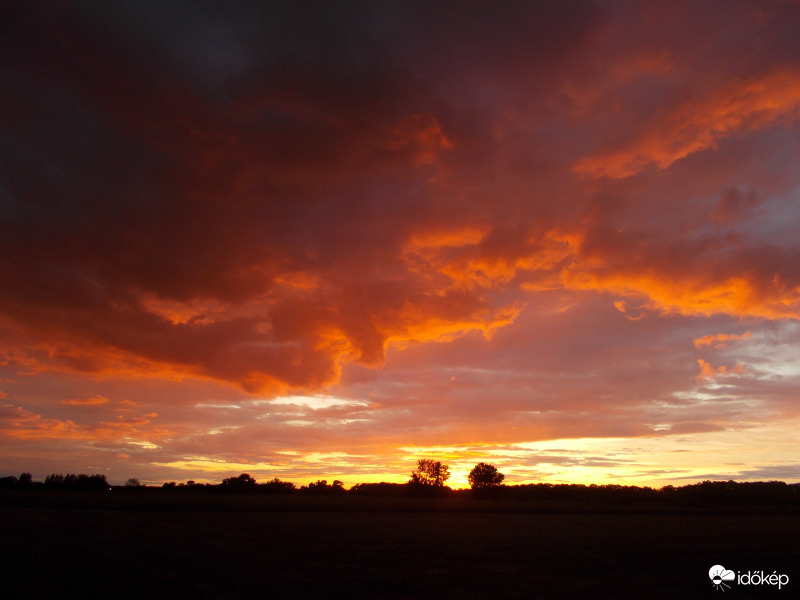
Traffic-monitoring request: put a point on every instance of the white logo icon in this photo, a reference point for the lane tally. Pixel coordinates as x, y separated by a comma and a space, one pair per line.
719, 575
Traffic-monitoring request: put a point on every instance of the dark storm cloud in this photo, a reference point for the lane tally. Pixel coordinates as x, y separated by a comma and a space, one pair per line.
128, 173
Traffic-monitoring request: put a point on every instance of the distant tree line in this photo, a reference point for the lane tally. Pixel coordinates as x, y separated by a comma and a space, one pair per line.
429, 477
56, 482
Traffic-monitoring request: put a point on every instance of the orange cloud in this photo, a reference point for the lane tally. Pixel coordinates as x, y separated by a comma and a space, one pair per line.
709, 373
622, 306
692, 294
474, 258
426, 329
93, 401
16, 422
86, 357
181, 313
424, 241
719, 340
698, 125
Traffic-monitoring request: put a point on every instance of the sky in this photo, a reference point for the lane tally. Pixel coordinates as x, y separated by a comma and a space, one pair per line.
322, 240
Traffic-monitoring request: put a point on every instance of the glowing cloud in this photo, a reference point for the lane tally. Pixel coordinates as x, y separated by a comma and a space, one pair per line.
719, 340
698, 125
709, 373
93, 401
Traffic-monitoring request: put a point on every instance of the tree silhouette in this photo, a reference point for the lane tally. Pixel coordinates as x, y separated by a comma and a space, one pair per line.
276, 486
320, 487
132, 482
242, 483
484, 476
323, 487
54, 481
430, 472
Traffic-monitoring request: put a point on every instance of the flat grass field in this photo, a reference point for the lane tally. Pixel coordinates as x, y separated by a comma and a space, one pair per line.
89, 546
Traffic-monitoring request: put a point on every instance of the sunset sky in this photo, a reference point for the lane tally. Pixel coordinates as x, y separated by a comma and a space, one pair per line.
322, 240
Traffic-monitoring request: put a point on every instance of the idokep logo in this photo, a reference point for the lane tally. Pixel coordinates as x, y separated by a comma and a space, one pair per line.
719, 576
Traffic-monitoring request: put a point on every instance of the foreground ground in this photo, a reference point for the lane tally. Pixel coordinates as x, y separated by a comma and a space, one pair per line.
380, 548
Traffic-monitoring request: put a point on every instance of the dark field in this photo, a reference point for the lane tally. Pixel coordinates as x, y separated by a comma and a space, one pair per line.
90, 546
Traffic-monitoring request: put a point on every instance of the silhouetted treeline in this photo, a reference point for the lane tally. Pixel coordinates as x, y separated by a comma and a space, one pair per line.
382, 489
731, 492
56, 482
77, 482
245, 484
25, 481
706, 493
